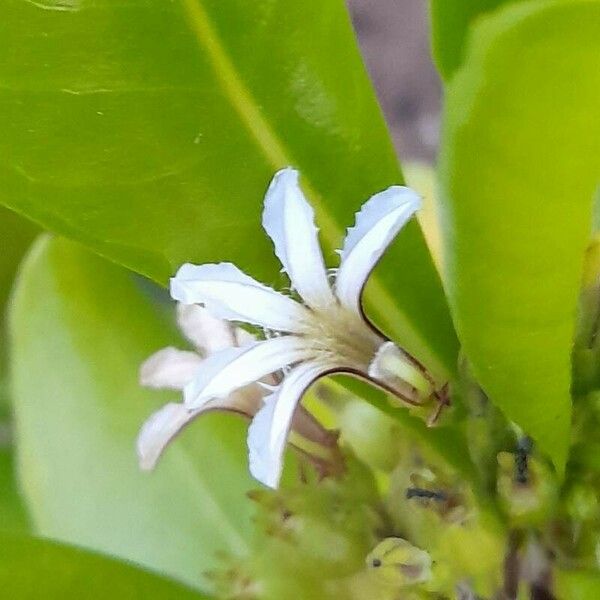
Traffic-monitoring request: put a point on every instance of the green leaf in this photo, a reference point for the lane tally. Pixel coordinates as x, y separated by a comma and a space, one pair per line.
80, 329
520, 162
13, 516
17, 234
33, 568
450, 22
149, 132
578, 585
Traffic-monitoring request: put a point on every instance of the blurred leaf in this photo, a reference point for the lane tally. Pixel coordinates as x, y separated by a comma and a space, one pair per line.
422, 178
578, 585
448, 443
17, 234
520, 162
32, 568
150, 130
13, 516
450, 22
80, 329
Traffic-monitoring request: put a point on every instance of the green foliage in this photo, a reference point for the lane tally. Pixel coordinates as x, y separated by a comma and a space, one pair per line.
450, 22
520, 162
80, 329
578, 585
17, 234
154, 154
12, 512
32, 568
148, 132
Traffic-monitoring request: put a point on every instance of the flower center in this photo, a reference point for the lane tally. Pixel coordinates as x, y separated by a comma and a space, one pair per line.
340, 336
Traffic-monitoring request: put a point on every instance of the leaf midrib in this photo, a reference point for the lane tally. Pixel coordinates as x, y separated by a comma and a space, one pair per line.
275, 151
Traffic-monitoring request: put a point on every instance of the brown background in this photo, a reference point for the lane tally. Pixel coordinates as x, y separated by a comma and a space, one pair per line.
394, 37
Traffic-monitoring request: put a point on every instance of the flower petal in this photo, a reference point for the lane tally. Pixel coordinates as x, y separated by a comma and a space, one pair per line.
169, 368
204, 330
269, 429
376, 225
230, 294
289, 220
160, 429
232, 368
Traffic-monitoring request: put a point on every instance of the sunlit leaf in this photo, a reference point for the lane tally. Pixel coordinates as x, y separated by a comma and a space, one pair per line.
80, 329
450, 22
33, 568
521, 159
156, 153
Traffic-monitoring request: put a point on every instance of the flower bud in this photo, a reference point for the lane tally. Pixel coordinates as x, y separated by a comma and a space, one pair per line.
372, 435
527, 497
399, 562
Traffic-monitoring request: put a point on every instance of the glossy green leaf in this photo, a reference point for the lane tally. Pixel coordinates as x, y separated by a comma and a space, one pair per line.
520, 162
33, 568
150, 130
80, 329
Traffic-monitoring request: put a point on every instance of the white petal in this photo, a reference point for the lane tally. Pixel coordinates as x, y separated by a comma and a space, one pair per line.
166, 423
230, 294
289, 220
204, 330
269, 429
377, 223
243, 337
232, 368
169, 368
159, 430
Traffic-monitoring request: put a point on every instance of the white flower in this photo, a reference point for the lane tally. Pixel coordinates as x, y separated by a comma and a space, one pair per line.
326, 332
171, 368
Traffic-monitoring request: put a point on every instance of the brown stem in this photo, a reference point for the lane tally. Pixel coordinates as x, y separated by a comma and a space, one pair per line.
512, 566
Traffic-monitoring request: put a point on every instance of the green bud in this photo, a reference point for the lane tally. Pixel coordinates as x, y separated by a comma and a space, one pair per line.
400, 371
399, 562
582, 502
372, 435
530, 501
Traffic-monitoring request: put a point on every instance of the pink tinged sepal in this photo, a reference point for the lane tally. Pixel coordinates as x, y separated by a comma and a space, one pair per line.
377, 223
169, 368
207, 333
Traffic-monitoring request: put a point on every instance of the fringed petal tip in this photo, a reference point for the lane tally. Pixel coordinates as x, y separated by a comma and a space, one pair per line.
377, 223
228, 293
376, 208
288, 219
